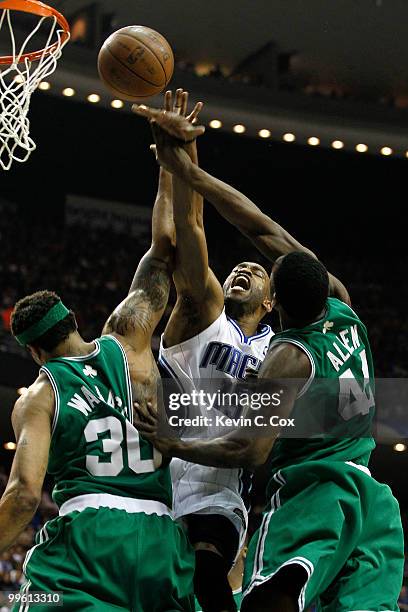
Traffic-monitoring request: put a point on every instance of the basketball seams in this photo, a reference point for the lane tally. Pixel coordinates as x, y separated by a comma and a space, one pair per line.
152, 52
164, 43
134, 73
137, 74
125, 94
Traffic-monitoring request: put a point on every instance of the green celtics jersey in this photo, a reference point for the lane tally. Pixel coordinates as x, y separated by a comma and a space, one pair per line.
94, 446
336, 406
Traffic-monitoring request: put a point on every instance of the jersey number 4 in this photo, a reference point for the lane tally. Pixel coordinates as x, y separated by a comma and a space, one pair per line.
354, 399
113, 461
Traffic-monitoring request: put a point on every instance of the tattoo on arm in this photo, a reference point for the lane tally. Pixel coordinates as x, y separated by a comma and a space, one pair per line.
147, 299
152, 278
134, 311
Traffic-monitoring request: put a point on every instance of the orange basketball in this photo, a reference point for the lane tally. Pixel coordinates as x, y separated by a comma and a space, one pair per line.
135, 63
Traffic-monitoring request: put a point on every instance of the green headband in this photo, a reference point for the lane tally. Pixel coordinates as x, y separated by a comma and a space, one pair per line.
53, 316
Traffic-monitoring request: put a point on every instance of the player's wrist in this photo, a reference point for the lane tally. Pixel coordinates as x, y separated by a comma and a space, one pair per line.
186, 168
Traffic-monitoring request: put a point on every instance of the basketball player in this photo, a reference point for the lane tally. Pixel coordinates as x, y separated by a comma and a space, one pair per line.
331, 534
114, 545
213, 333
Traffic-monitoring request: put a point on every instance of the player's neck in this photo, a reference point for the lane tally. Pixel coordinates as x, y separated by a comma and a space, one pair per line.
73, 346
248, 324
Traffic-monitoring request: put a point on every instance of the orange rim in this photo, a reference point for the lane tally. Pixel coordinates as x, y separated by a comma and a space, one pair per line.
42, 10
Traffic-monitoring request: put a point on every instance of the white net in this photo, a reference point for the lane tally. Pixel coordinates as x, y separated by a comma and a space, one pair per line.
19, 80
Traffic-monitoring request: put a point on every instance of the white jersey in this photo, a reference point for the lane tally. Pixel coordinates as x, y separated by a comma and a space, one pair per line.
221, 351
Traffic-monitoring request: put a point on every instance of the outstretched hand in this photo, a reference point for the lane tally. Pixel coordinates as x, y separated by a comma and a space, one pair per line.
173, 118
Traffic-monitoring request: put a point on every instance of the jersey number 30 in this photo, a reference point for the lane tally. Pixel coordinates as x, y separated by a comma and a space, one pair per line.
113, 461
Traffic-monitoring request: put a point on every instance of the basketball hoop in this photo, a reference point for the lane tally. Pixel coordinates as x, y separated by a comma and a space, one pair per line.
23, 73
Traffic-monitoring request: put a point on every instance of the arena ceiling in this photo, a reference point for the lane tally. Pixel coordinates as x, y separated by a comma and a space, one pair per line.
358, 47
360, 43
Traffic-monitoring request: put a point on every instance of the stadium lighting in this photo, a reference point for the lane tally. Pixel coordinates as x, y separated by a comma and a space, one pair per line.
337, 144
400, 447
289, 137
44, 85
216, 124
94, 98
264, 133
10, 446
117, 104
239, 128
68, 92
386, 151
361, 148
313, 141
19, 78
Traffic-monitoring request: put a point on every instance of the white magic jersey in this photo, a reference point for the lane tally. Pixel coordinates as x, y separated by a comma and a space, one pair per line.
221, 351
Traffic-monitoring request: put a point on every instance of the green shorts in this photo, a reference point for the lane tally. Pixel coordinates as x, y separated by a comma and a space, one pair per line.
341, 526
103, 560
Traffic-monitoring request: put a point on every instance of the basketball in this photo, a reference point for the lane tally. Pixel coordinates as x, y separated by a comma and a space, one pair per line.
136, 63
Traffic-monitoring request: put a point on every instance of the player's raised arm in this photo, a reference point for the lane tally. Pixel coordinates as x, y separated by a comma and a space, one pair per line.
138, 315
199, 295
271, 239
31, 419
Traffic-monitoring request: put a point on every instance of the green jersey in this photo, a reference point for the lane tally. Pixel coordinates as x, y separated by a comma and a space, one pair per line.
94, 447
339, 396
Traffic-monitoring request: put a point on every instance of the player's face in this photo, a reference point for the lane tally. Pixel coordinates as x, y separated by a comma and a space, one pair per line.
247, 283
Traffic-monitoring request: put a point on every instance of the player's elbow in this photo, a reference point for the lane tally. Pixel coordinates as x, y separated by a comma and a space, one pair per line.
29, 500
26, 498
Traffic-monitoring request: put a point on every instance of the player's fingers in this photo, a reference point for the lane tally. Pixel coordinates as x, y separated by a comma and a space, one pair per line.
184, 103
146, 111
168, 100
143, 428
179, 101
145, 416
151, 408
195, 112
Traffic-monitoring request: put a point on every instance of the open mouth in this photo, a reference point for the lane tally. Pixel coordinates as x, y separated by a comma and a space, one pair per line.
241, 282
